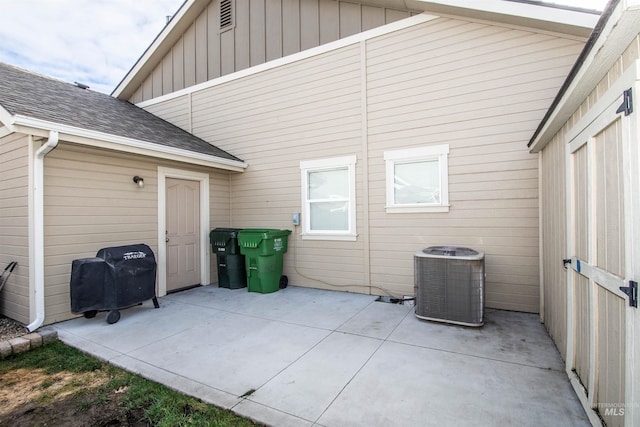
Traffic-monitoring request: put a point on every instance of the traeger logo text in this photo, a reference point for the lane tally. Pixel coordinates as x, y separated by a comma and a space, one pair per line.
134, 255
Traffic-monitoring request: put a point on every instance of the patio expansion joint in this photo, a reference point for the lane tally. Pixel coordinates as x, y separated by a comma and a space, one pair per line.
270, 319
354, 316
382, 341
167, 372
128, 353
248, 399
289, 365
331, 331
350, 380
476, 356
84, 344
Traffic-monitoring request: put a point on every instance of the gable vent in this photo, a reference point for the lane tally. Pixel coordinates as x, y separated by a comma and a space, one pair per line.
226, 14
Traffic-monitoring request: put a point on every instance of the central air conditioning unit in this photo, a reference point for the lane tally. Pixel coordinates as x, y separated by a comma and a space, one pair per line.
449, 285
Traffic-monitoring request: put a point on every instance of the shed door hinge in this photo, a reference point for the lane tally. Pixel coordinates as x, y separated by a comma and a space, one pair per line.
627, 103
632, 293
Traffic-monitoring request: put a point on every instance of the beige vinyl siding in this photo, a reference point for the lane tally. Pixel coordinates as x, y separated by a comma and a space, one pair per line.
14, 224
480, 88
553, 202
317, 116
177, 112
91, 202
263, 31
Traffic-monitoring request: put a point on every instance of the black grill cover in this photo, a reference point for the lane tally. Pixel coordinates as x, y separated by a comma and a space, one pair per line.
131, 271
117, 277
87, 284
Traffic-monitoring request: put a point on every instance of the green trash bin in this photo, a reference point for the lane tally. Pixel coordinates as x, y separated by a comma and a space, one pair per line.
231, 269
263, 250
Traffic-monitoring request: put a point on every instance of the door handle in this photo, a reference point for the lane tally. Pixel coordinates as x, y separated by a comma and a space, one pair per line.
166, 240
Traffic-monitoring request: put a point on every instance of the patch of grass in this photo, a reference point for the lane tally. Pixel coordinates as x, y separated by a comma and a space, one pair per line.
127, 393
52, 358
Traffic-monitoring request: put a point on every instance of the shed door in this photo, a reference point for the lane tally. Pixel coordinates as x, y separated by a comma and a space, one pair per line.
183, 233
599, 311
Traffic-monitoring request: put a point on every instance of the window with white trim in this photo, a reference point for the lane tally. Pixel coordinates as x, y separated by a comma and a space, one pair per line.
417, 179
328, 198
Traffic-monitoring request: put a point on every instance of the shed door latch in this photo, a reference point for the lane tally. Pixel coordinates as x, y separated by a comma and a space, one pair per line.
632, 293
627, 103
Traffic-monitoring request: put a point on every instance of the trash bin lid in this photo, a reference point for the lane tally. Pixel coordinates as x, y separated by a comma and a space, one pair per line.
220, 236
251, 237
231, 232
450, 252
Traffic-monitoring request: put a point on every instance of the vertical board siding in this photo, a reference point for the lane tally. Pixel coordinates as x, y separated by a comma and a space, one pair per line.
582, 337
273, 24
609, 200
264, 30
611, 353
553, 203
14, 225
553, 234
91, 202
480, 88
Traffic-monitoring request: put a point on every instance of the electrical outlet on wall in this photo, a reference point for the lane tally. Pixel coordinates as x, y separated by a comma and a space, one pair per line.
295, 218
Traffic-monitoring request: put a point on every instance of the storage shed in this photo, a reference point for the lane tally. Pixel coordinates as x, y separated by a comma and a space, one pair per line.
589, 147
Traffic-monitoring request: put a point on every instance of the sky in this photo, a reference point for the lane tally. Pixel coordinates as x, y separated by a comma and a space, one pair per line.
95, 42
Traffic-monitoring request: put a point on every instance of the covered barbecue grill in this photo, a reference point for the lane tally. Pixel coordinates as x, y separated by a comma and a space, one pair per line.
116, 278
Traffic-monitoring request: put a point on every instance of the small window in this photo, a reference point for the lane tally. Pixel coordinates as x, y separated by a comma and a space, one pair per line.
418, 179
226, 15
328, 198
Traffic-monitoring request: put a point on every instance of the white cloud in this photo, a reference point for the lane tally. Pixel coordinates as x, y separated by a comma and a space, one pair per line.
94, 42
90, 41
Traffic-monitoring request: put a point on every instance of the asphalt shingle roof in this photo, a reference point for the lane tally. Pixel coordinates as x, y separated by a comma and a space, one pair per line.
32, 95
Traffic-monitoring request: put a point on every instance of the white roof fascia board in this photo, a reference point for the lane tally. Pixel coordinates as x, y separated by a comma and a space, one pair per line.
511, 12
4, 131
177, 25
6, 119
319, 50
67, 133
621, 28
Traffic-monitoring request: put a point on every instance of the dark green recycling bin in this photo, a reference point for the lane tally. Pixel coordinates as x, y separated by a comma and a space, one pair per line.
263, 249
231, 269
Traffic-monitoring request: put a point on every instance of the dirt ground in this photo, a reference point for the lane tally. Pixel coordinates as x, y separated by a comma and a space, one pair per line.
10, 329
34, 398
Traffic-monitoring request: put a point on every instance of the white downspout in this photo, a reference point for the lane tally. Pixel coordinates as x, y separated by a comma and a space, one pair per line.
38, 228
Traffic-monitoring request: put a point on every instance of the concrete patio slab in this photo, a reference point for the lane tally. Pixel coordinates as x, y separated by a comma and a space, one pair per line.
304, 357
158, 324
300, 391
405, 385
506, 335
304, 306
234, 353
376, 320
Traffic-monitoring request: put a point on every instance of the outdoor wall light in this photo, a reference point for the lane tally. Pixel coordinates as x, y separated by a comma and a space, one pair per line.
138, 180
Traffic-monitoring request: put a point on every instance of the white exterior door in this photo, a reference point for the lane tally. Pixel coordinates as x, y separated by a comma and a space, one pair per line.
182, 233
602, 220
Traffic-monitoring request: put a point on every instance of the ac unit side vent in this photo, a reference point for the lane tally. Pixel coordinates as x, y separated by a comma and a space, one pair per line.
450, 288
